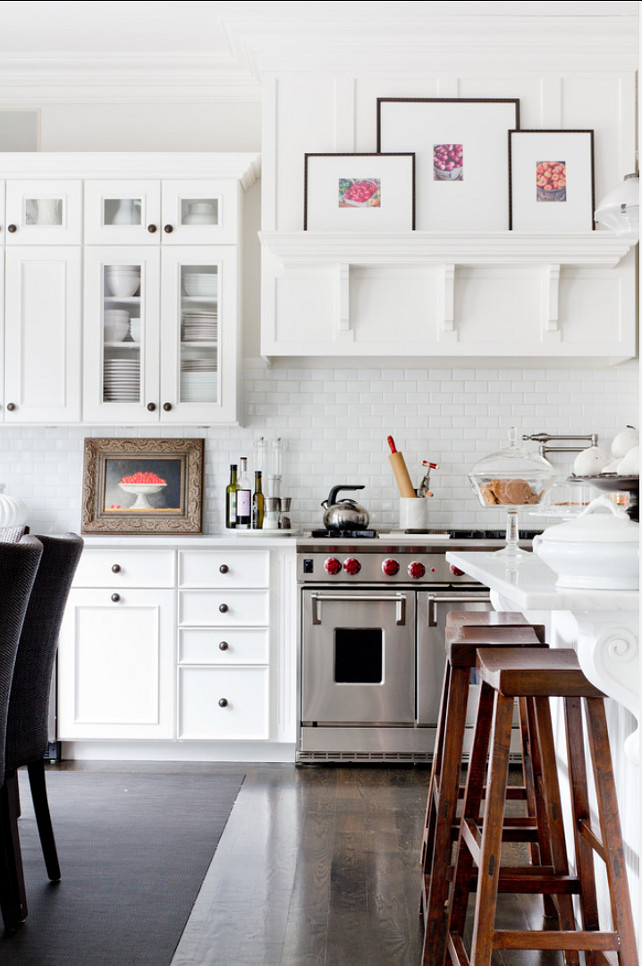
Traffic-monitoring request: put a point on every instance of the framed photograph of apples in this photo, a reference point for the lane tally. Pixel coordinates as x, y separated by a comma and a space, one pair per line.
359, 192
142, 486
551, 180
460, 148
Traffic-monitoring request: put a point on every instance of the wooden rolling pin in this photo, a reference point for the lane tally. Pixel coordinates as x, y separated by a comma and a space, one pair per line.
400, 470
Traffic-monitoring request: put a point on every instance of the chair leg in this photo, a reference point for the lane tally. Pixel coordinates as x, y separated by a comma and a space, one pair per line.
14, 895
36, 771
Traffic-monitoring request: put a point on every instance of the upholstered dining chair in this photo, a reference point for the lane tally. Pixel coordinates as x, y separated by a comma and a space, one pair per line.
27, 737
18, 567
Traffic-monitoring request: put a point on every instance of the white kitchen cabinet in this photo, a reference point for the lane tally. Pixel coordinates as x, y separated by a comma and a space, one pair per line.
223, 703
43, 212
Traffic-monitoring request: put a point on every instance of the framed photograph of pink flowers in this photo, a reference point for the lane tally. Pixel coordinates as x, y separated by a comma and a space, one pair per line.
142, 486
460, 148
551, 180
359, 192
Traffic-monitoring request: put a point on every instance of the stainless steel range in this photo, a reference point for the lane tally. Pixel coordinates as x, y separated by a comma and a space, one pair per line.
372, 642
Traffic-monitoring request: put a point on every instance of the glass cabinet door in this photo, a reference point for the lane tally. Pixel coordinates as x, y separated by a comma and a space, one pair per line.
121, 334
199, 212
122, 212
43, 212
198, 332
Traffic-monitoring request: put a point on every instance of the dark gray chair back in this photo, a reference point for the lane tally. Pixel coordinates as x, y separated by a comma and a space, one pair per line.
18, 567
27, 736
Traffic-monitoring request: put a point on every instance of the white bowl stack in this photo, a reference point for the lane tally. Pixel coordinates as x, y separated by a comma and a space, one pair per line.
123, 280
199, 380
116, 324
200, 284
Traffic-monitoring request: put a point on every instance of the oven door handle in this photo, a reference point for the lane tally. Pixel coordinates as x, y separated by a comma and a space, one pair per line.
398, 599
434, 599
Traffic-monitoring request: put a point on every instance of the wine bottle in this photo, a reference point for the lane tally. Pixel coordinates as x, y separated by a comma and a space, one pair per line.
243, 498
258, 502
230, 498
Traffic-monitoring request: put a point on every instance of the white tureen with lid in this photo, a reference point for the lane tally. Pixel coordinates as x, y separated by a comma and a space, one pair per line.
598, 550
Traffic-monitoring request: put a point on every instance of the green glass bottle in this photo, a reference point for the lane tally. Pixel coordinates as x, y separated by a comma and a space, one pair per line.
230, 498
258, 502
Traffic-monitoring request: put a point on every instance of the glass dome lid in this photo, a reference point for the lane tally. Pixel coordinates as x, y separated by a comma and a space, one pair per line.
512, 477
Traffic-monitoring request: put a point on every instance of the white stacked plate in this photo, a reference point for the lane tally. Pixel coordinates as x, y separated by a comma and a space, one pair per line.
198, 380
201, 284
121, 380
200, 326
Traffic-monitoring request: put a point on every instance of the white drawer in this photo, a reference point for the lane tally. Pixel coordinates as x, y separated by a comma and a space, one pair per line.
220, 608
224, 568
125, 568
243, 709
230, 645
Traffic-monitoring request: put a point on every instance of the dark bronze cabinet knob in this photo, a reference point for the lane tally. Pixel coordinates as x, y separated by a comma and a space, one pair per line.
167, 407
151, 407
151, 229
11, 407
224, 569
223, 608
12, 228
115, 598
223, 646
222, 702
169, 229
115, 568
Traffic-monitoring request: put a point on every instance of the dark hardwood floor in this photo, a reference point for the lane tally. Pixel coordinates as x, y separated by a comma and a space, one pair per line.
319, 866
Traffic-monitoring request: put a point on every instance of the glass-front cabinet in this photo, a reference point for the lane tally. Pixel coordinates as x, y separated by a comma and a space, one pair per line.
159, 327
41, 212
149, 212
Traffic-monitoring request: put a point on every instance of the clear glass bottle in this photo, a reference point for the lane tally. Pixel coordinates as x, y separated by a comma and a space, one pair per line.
258, 502
243, 498
230, 498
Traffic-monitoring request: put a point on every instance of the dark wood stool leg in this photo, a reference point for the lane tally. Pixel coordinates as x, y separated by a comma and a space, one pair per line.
612, 845
453, 742
435, 772
36, 770
15, 906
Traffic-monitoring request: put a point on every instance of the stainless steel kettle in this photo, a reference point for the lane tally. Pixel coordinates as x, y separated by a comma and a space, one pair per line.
344, 514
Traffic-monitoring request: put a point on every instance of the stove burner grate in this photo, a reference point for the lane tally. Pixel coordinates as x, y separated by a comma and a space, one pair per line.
490, 534
340, 534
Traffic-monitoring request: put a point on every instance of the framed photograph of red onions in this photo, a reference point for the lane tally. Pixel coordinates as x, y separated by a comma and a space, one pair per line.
551, 182
359, 192
460, 146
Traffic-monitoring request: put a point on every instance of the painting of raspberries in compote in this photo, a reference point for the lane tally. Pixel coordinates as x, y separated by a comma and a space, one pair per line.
448, 162
359, 192
143, 478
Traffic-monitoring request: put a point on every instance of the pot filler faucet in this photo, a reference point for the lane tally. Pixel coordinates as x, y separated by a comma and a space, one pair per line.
544, 438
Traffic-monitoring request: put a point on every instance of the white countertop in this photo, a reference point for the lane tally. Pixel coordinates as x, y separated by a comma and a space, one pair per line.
530, 584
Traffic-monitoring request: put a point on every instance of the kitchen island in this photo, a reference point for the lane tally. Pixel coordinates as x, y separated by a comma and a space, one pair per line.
603, 627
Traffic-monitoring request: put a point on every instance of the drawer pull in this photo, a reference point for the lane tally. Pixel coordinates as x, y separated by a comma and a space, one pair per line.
116, 568
223, 608
224, 569
223, 646
115, 598
222, 702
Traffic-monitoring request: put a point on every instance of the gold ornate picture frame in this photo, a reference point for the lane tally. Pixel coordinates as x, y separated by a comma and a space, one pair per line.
146, 486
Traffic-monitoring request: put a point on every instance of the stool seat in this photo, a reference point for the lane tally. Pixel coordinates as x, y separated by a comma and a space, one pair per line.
554, 672
456, 619
461, 649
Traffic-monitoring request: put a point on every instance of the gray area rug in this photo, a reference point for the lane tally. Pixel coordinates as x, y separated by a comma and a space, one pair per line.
134, 848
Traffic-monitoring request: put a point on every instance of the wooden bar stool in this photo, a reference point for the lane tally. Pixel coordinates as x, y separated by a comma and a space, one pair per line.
536, 675
441, 828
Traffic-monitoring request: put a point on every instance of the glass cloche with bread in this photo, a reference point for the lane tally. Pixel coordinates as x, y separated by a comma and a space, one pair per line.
510, 479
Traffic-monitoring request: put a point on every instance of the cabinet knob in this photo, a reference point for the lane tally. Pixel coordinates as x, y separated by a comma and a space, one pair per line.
151, 407
223, 646
222, 702
223, 608
12, 228
152, 228
11, 407
224, 569
167, 407
116, 568
115, 598
169, 229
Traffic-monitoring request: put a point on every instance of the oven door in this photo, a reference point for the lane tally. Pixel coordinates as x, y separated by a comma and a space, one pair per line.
358, 657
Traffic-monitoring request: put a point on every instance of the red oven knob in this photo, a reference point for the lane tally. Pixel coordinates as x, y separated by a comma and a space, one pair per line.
390, 567
351, 566
416, 570
332, 566
455, 571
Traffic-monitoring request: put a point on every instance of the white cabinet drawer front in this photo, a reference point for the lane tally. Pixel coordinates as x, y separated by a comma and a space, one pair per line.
232, 608
223, 703
230, 645
224, 568
125, 568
